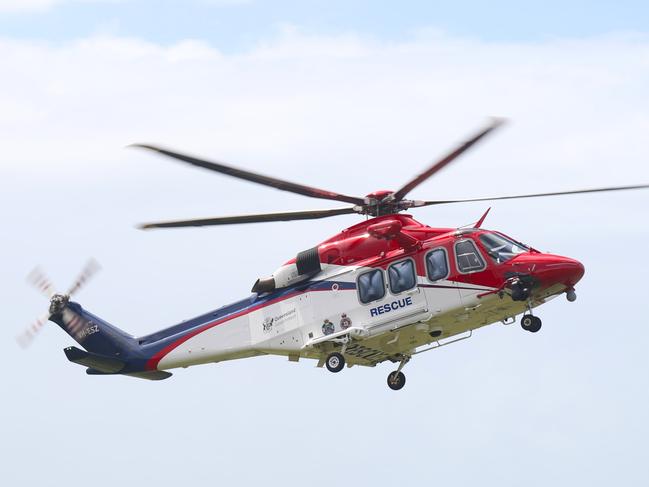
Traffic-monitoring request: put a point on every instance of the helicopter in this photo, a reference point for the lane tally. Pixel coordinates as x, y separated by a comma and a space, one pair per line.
383, 290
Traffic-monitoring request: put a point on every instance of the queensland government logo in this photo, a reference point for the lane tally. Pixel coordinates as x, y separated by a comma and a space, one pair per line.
268, 324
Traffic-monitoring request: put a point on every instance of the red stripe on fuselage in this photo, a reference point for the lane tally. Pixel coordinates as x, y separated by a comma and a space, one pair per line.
152, 363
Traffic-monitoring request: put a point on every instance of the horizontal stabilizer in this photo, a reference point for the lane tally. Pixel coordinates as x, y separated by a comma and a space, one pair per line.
104, 365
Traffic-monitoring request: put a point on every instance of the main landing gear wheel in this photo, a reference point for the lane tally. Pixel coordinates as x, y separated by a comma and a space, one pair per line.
396, 380
335, 362
531, 323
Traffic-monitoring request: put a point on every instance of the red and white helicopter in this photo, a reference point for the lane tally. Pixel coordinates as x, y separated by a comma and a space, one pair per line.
385, 289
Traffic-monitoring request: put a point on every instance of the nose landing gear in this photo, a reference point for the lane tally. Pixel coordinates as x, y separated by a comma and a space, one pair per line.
397, 379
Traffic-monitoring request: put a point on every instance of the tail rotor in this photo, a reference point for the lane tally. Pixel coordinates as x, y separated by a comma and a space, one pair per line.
43, 284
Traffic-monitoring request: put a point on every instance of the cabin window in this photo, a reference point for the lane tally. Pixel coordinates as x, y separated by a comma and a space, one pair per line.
371, 286
436, 264
402, 276
467, 256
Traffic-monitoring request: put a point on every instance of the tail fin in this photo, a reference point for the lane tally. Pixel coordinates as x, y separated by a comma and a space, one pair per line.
108, 350
93, 333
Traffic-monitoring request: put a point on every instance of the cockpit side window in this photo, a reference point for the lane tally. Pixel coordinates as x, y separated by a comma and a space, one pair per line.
371, 286
401, 276
501, 248
467, 257
436, 264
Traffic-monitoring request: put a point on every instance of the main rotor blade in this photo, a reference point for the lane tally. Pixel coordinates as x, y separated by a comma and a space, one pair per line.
536, 195
255, 218
495, 123
256, 178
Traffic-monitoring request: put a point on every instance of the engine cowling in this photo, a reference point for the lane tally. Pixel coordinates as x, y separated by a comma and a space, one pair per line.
307, 264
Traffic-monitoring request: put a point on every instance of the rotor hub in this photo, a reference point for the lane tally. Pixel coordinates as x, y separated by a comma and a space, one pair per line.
379, 195
58, 302
383, 202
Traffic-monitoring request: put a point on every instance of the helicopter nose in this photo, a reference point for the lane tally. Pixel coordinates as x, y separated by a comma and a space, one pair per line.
561, 270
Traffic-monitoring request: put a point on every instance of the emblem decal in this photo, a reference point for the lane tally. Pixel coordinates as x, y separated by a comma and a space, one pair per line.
345, 322
327, 327
268, 324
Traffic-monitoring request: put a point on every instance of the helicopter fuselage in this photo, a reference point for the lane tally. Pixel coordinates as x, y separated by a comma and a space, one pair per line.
386, 287
377, 291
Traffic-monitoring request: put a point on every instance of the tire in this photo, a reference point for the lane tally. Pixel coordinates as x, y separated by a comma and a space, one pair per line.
536, 324
335, 362
527, 321
396, 380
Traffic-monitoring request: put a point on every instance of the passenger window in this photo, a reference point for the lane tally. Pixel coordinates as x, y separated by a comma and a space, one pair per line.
371, 286
436, 265
467, 256
402, 276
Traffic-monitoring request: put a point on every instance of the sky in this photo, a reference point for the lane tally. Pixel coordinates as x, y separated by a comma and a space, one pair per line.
352, 97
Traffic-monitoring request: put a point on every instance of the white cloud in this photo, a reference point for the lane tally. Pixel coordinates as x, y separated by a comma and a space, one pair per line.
24, 6
226, 3
575, 105
18, 6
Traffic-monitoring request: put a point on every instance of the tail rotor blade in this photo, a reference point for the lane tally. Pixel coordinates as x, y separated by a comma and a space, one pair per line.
40, 281
27, 337
90, 269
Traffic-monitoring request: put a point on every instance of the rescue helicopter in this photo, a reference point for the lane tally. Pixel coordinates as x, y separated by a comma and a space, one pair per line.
385, 289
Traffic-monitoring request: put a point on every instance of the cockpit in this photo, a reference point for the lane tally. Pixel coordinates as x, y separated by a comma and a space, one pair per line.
501, 248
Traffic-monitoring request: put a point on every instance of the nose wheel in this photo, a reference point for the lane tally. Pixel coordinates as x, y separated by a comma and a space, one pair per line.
396, 380
531, 323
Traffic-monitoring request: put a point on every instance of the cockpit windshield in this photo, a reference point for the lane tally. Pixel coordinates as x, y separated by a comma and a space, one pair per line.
501, 248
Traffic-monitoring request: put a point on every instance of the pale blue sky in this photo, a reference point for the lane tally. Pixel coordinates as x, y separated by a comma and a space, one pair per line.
353, 113
235, 25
